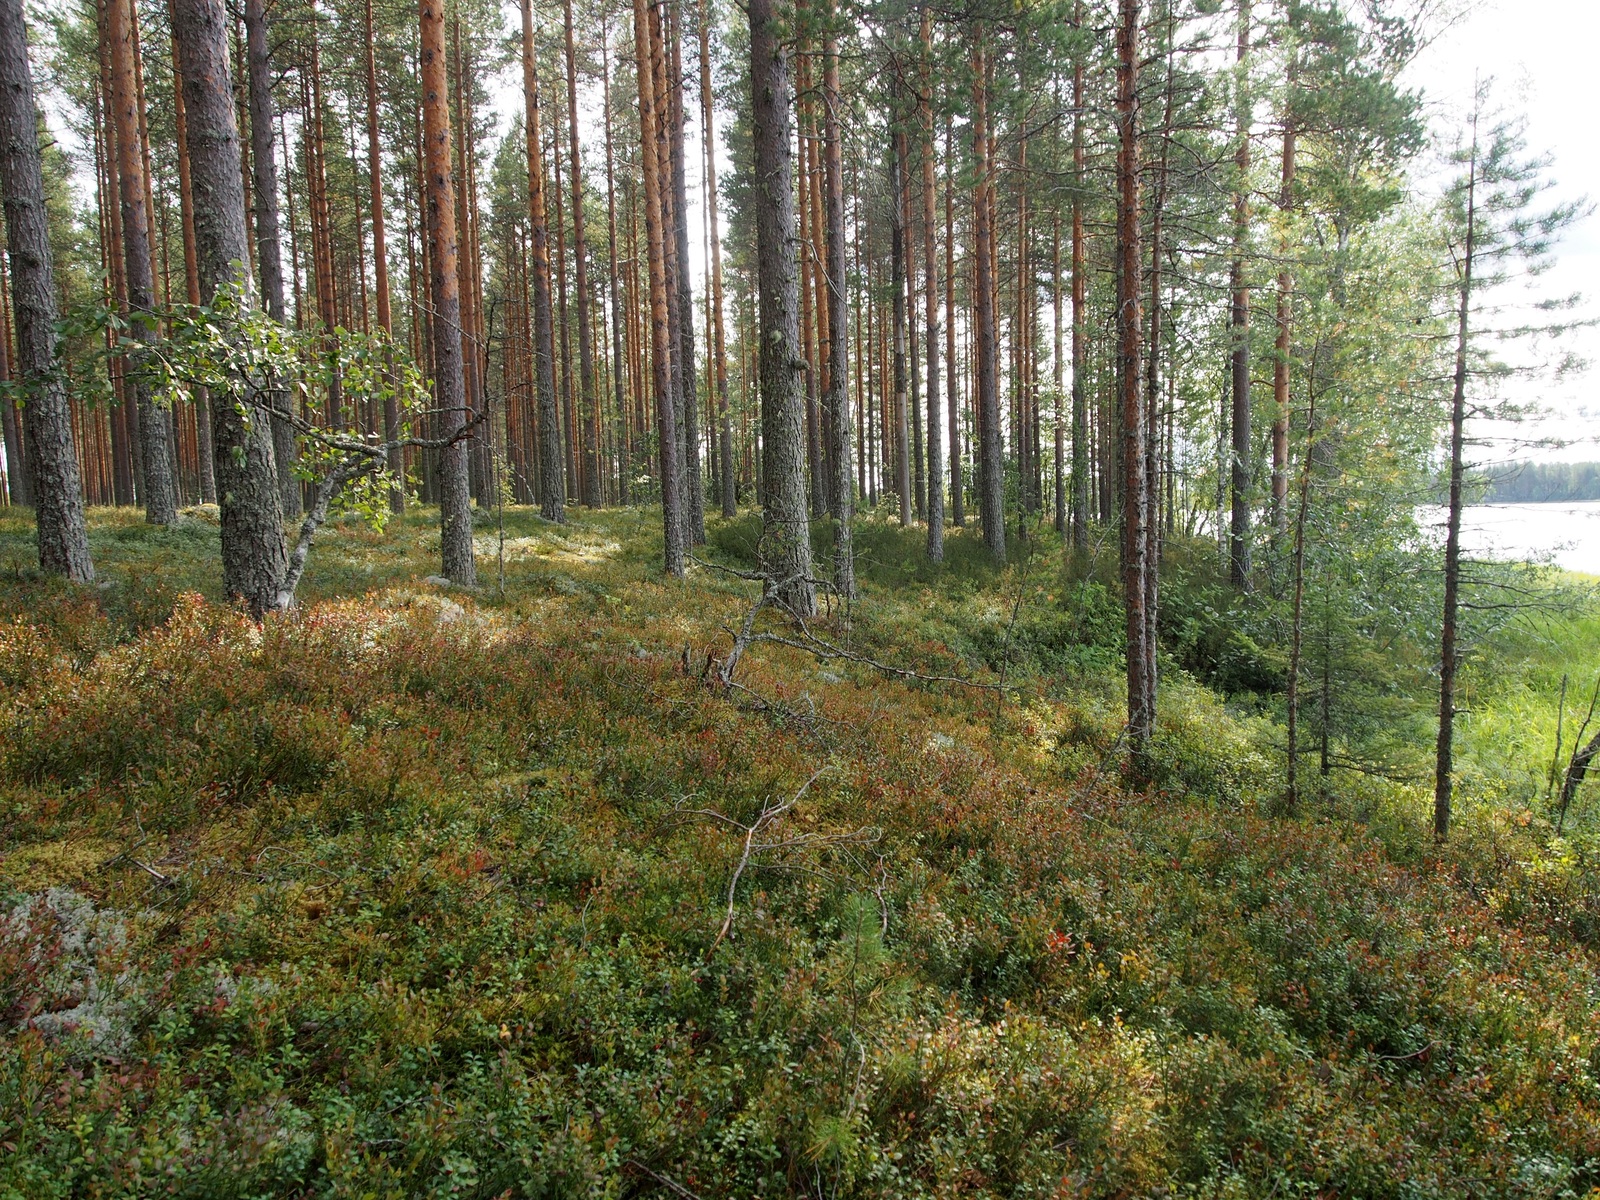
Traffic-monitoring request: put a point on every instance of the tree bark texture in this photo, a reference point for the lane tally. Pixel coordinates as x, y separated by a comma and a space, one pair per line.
455, 502
158, 491
589, 411
191, 277
1129, 372
380, 264
1285, 321
552, 486
47, 417
786, 529
1449, 652
660, 325
843, 498
727, 489
254, 557
694, 501
930, 262
991, 477
269, 244
1080, 398
1242, 449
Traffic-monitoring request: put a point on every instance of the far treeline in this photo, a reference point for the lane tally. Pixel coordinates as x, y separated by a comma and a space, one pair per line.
1543, 483
1138, 271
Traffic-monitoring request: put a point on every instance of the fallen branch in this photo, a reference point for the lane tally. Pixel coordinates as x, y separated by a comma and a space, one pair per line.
772, 589
754, 847
672, 1185
823, 649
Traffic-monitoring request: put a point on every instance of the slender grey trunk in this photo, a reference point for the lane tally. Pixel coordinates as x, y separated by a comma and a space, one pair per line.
552, 488
991, 478
897, 276
1242, 449
588, 409
720, 365
1081, 472
16, 465
843, 498
1444, 752
935, 479
1130, 365
694, 498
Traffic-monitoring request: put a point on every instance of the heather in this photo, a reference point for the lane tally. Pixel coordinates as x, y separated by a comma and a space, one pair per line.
421, 891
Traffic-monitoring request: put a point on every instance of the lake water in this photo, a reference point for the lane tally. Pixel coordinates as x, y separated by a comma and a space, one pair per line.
1567, 534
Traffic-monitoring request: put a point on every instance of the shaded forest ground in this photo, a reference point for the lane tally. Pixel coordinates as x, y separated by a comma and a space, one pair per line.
416, 892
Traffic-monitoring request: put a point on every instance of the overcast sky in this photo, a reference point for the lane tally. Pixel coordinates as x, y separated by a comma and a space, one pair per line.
1541, 55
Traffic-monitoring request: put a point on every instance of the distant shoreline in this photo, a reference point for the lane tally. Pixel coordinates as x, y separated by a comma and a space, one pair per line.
1543, 483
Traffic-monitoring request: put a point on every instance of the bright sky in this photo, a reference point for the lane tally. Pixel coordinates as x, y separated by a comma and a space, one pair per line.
1540, 53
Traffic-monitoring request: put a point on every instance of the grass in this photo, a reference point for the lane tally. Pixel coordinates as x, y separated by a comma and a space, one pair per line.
1509, 730
416, 893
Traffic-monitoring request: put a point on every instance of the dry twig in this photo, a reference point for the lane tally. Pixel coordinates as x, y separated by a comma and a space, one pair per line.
759, 840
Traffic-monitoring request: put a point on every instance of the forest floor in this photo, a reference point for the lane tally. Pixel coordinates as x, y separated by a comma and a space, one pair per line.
424, 892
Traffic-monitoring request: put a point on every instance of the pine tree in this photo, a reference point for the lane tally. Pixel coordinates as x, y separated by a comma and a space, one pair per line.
786, 533
254, 557
52, 458
455, 505
157, 488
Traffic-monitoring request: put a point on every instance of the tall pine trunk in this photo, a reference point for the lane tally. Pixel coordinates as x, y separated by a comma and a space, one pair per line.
589, 410
552, 487
380, 265
1285, 321
620, 355
455, 503
694, 514
958, 500
1152, 391
786, 533
322, 231
726, 488
660, 325
930, 261
47, 416
1449, 653
1129, 372
897, 280
158, 491
254, 557
269, 252
843, 498
1058, 371
816, 472
991, 478
1080, 398
1239, 321
191, 278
